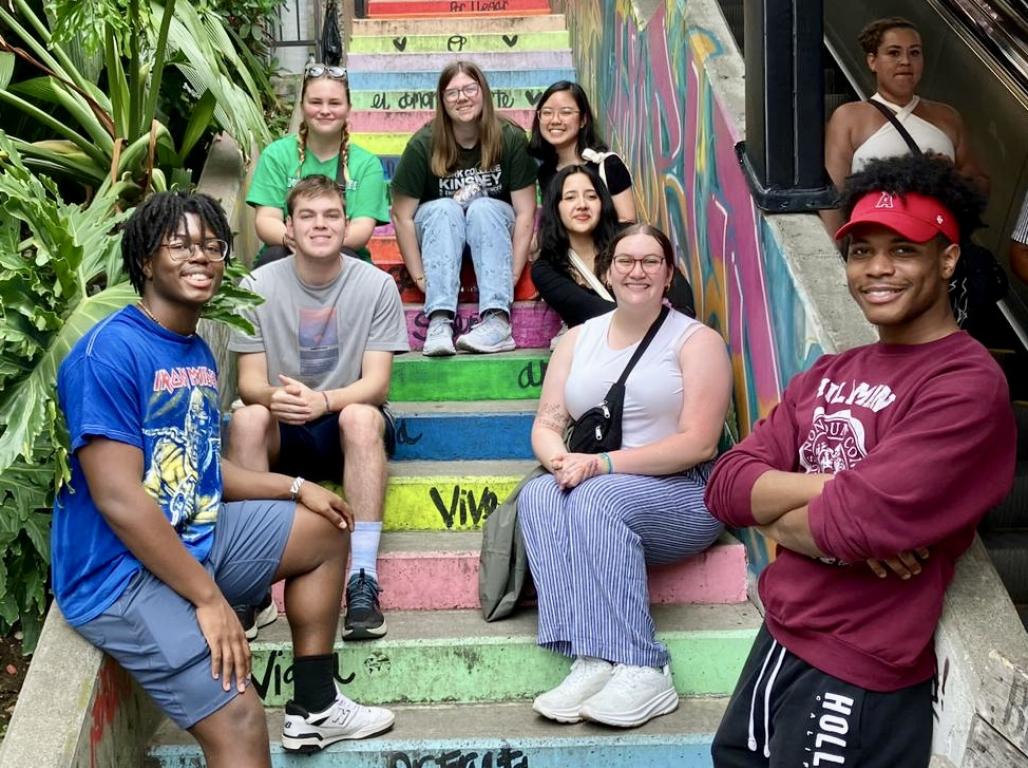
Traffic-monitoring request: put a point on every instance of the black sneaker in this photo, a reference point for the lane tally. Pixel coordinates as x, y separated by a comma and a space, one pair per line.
364, 620
247, 616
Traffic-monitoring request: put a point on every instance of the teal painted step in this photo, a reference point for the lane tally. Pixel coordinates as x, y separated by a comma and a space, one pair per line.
424, 81
453, 431
514, 375
508, 735
455, 656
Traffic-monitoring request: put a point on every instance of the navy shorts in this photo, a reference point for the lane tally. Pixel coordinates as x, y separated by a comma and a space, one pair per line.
314, 451
152, 632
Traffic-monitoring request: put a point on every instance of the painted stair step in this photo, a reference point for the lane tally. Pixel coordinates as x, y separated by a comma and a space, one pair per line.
439, 571
495, 735
524, 97
455, 656
553, 22
535, 79
400, 8
466, 43
499, 430
501, 376
533, 324
434, 63
448, 495
391, 262
408, 122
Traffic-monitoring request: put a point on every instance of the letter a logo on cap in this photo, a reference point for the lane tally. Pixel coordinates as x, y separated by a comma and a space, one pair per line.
885, 201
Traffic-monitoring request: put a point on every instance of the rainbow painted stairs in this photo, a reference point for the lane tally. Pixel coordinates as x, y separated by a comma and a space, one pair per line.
461, 688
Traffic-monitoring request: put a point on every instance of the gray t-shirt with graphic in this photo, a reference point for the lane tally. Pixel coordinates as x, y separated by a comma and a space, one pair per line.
319, 334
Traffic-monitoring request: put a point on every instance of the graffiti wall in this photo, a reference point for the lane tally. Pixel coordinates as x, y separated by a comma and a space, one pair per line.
657, 108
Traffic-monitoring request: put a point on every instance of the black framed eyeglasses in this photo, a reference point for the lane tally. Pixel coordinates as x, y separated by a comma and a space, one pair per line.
324, 70
182, 250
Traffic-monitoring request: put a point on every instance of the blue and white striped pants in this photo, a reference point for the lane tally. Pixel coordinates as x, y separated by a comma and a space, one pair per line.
588, 549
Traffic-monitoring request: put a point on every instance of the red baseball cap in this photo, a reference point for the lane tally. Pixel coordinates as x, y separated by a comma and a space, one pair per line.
916, 217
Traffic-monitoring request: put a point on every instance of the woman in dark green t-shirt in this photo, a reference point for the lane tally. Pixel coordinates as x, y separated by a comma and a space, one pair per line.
465, 179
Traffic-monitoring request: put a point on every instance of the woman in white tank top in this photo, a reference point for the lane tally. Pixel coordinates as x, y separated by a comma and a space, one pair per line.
593, 524
857, 132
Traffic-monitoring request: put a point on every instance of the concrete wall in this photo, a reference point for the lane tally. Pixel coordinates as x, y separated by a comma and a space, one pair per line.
666, 80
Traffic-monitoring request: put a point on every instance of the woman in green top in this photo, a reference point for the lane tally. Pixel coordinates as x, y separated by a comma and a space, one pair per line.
322, 146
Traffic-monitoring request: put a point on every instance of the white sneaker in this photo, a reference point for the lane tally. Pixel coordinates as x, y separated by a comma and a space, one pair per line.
491, 334
309, 732
588, 676
439, 339
633, 696
267, 612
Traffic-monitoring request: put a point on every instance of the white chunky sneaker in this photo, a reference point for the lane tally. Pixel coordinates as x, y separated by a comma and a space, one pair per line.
633, 696
588, 676
439, 339
491, 334
309, 732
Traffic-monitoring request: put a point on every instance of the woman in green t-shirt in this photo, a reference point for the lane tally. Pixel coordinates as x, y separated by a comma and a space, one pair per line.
465, 179
322, 146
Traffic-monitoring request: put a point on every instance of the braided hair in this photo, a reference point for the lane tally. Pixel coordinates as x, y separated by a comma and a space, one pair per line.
344, 139
157, 218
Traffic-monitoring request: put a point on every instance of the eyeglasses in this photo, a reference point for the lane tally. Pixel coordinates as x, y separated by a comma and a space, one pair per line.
625, 264
182, 250
469, 91
323, 70
564, 113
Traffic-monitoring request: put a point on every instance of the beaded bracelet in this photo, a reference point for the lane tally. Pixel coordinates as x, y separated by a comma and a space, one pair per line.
607, 460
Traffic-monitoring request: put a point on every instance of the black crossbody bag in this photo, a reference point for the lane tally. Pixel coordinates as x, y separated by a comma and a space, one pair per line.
598, 430
978, 281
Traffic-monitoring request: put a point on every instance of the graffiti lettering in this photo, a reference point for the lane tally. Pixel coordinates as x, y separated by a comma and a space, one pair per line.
400, 43
276, 675
503, 758
379, 101
478, 5
1017, 706
527, 378
510, 40
456, 43
939, 689
503, 99
462, 323
461, 504
416, 100
403, 437
533, 97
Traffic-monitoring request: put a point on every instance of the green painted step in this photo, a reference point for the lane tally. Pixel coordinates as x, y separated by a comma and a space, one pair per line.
466, 43
455, 656
447, 495
504, 98
514, 375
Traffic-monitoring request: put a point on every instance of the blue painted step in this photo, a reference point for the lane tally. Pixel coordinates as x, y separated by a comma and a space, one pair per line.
454, 431
420, 81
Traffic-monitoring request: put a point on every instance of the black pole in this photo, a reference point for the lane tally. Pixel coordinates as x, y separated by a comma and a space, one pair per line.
783, 155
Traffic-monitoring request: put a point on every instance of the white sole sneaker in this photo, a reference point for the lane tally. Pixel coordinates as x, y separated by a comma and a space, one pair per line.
572, 715
663, 704
507, 345
307, 736
267, 616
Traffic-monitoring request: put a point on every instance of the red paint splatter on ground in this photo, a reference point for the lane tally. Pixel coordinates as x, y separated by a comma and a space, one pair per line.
113, 688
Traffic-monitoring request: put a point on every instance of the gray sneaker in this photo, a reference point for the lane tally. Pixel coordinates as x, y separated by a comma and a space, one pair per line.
439, 339
490, 334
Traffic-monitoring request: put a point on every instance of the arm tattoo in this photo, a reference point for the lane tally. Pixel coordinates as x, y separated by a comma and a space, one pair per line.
553, 416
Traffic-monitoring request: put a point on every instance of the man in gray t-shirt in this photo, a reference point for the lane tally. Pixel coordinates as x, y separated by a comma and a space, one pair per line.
315, 377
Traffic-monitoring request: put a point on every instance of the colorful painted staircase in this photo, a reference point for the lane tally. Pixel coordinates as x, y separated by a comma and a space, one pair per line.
461, 688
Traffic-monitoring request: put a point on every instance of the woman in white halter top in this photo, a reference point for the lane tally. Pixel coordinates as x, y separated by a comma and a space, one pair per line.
858, 132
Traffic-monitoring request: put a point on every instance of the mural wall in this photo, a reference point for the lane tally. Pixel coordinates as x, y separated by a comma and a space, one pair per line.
657, 108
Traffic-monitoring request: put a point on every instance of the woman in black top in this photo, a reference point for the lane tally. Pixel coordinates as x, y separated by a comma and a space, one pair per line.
564, 133
578, 221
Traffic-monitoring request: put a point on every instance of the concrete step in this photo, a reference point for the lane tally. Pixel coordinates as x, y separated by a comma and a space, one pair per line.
421, 571
454, 431
409, 122
455, 656
448, 495
424, 99
389, 260
466, 43
1009, 553
455, 27
433, 63
533, 323
501, 376
401, 8
505, 735
426, 81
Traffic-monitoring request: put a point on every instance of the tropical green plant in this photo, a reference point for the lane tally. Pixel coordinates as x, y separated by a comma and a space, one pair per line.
60, 273
110, 134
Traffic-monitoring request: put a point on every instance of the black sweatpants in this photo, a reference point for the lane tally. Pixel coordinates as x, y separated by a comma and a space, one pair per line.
785, 712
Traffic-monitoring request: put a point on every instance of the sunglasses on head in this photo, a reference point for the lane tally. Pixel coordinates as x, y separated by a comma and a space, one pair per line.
324, 70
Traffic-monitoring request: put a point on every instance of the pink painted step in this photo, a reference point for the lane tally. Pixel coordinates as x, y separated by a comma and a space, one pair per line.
414, 578
534, 323
382, 121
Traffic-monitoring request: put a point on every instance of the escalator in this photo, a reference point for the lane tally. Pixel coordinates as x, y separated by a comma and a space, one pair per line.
976, 59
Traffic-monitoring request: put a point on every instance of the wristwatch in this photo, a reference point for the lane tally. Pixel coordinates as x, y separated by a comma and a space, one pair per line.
294, 489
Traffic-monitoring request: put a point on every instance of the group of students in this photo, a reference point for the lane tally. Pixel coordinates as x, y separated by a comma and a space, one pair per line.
843, 474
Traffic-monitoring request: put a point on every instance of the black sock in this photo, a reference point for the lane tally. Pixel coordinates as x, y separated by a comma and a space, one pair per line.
314, 686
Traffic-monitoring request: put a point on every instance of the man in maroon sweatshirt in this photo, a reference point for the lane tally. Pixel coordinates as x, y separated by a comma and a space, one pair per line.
871, 474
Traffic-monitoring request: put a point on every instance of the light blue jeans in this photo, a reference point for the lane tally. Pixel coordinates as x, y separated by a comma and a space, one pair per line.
487, 227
